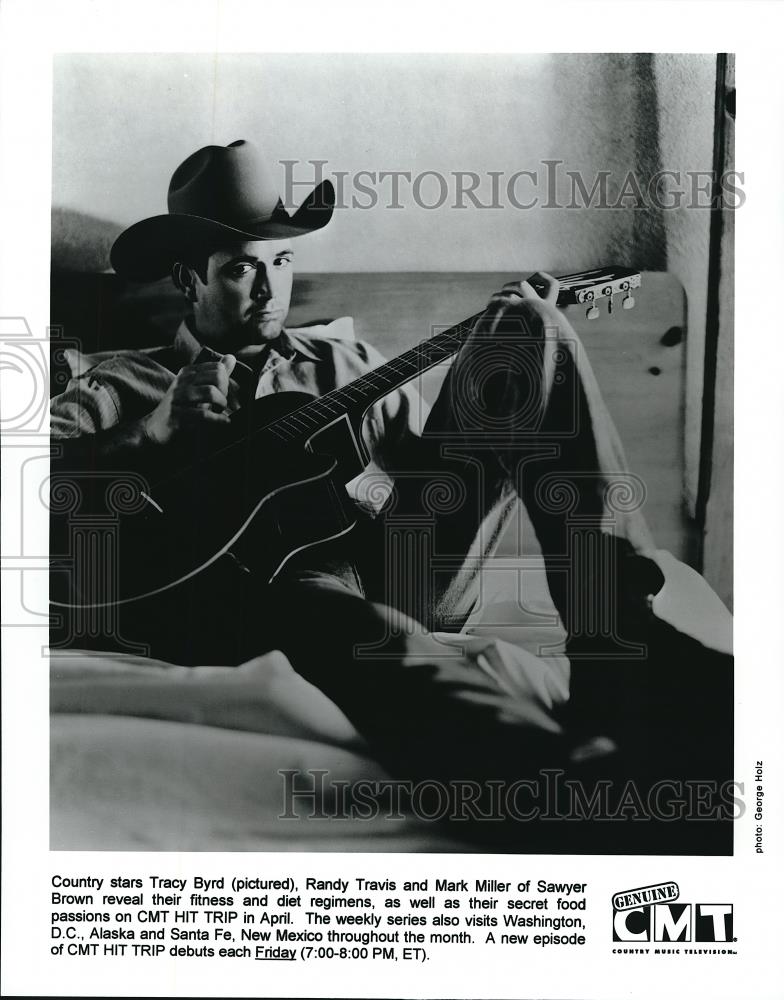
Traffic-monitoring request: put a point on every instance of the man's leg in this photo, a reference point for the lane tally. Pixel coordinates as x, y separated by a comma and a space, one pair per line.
521, 414
506, 769
449, 507
425, 709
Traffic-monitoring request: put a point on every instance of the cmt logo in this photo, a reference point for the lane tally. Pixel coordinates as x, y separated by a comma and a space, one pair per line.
637, 917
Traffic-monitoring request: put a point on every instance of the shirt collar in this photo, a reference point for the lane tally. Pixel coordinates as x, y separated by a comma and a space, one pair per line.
300, 344
187, 347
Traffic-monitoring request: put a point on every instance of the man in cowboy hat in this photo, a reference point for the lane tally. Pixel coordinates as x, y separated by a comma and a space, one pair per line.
226, 242
428, 711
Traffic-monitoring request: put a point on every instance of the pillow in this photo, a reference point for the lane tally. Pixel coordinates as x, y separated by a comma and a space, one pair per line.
263, 695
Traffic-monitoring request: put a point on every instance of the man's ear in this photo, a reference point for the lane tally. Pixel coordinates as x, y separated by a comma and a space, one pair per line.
184, 280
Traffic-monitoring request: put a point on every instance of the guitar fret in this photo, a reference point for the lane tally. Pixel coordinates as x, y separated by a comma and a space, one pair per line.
297, 418
371, 386
322, 404
375, 384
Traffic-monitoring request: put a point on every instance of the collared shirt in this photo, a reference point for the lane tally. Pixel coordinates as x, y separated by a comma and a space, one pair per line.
110, 389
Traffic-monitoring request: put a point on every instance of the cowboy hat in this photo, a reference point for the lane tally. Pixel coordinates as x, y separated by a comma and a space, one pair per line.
219, 193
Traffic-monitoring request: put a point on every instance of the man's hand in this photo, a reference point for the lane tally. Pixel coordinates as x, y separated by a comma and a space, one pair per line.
501, 379
542, 304
197, 398
195, 401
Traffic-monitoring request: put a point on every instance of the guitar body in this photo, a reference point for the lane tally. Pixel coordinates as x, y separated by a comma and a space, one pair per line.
254, 503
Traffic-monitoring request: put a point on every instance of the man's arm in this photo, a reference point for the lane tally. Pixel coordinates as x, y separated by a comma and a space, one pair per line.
195, 401
125, 446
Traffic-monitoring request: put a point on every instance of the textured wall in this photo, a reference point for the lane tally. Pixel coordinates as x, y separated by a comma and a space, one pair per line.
686, 86
122, 123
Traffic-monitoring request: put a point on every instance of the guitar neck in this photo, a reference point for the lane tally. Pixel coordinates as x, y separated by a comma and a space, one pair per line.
356, 398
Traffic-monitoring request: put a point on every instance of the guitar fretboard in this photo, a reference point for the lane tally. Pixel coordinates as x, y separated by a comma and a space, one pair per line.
356, 398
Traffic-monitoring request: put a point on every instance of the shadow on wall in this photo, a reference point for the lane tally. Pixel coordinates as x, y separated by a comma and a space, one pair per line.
90, 305
81, 242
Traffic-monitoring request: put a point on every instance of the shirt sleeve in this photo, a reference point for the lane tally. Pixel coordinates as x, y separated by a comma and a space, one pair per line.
86, 405
119, 389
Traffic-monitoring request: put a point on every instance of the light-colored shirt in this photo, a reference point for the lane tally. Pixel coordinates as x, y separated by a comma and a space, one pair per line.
112, 388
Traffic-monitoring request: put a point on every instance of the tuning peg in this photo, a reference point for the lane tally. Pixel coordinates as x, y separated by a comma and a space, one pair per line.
592, 312
628, 299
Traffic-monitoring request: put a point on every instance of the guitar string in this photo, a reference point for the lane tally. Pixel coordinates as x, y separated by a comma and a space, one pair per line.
431, 351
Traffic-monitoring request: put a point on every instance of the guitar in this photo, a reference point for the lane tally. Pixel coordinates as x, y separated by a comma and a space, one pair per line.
156, 536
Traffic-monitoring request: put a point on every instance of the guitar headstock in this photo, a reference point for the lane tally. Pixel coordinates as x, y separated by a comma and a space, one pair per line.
590, 287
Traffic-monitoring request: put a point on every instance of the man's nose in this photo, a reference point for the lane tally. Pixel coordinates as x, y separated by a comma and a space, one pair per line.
261, 285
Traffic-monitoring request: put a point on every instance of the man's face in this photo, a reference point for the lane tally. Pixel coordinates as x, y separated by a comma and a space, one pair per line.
246, 297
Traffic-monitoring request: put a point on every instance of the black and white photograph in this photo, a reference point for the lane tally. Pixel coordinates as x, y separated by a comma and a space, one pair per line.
391, 559
391, 452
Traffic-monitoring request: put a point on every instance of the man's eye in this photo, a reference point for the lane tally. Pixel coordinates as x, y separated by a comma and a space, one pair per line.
240, 270
282, 261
